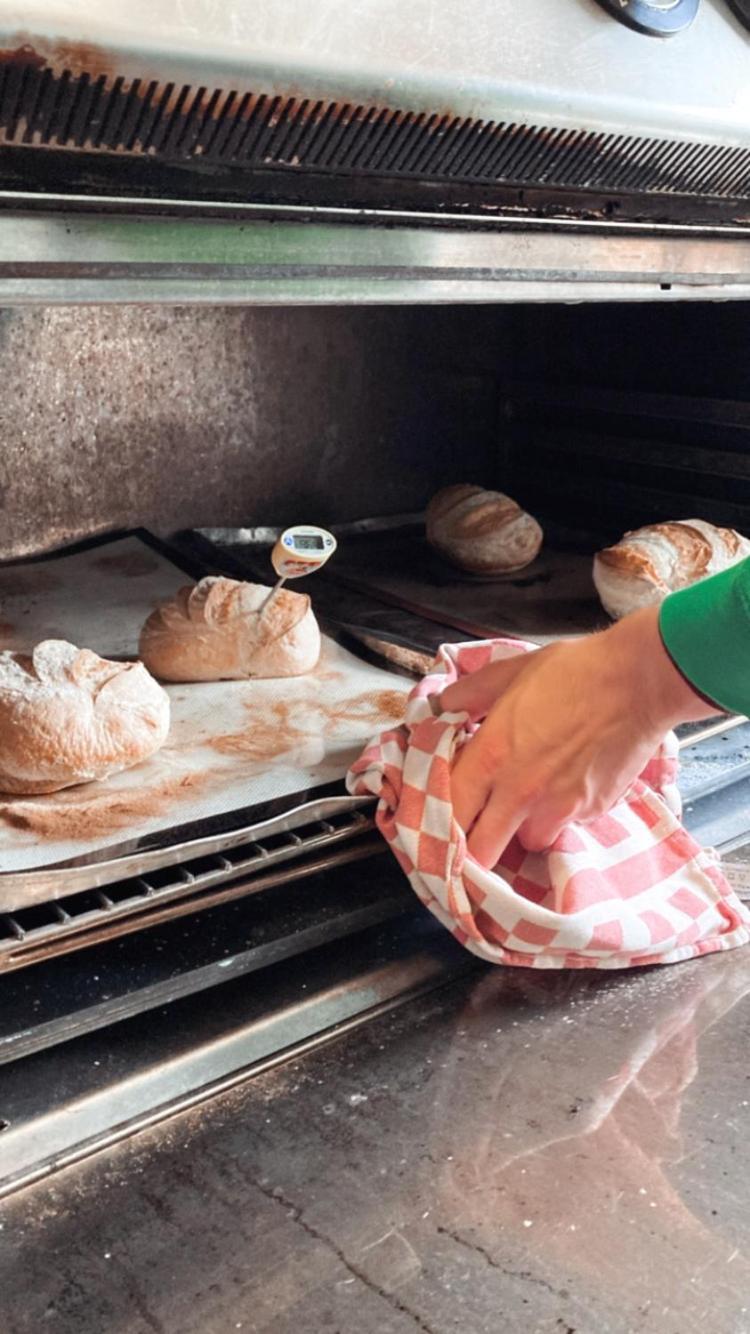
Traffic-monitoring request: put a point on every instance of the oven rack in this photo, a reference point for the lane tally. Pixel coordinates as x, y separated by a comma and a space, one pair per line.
91, 917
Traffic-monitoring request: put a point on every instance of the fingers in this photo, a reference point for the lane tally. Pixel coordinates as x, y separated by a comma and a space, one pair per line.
475, 694
488, 812
540, 830
494, 829
471, 784
502, 817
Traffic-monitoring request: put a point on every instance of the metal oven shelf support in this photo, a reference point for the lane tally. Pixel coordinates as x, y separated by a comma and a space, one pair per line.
255, 257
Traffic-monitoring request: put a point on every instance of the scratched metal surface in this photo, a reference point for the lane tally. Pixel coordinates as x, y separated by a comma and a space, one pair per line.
552, 1154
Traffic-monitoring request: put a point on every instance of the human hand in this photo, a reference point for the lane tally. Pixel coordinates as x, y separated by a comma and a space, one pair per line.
566, 731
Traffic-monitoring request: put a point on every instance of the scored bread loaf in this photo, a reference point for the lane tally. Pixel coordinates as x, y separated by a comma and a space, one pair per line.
216, 631
68, 716
647, 564
484, 532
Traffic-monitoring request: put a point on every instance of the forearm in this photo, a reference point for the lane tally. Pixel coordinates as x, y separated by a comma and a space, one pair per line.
639, 656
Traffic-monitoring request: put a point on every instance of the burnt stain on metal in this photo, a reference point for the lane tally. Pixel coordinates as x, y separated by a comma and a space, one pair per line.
75, 58
22, 57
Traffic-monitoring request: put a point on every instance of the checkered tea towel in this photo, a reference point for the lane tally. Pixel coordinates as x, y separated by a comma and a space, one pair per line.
631, 887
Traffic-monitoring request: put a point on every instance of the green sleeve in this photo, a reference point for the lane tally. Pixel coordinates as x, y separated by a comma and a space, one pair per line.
706, 631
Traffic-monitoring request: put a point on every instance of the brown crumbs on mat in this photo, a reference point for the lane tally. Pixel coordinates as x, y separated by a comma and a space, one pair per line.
82, 813
269, 732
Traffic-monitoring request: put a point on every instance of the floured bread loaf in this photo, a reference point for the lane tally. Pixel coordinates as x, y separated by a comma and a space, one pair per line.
646, 565
68, 716
481, 531
214, 631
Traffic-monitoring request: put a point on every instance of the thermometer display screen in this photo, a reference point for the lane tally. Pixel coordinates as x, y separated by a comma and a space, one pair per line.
309, 543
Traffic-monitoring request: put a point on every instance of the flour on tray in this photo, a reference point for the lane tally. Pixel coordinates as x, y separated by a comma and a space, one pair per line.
231, 744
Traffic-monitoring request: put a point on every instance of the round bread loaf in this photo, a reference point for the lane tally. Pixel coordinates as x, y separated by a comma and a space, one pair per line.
216, 631
646, 565
68, 716
481, 531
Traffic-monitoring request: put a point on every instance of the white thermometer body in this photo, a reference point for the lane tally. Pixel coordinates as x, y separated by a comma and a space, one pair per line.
302, 550
299, 551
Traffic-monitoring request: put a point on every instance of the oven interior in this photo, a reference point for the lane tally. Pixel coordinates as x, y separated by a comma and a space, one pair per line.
201, 426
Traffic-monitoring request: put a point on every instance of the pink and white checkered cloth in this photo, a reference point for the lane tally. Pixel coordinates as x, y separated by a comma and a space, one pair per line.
631, 887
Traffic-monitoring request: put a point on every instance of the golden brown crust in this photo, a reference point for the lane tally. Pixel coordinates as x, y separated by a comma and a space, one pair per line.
662, 558
482, 532
449, 497
692, 551
223, 629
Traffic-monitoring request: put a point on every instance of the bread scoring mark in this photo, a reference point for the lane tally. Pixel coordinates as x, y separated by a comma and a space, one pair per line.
630, 560
731, 539
214, 630
450, 498
486, 516
634, 556
693, 549
92, 810
133, 563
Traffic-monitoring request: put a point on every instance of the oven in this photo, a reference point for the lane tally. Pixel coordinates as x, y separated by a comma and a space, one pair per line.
304, 264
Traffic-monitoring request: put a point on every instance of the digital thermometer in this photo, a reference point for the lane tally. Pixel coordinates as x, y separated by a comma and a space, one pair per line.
300, 550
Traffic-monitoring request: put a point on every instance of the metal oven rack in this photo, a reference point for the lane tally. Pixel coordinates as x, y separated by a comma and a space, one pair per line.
33, 934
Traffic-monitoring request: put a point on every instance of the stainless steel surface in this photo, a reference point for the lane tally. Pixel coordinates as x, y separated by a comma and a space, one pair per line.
691, 733
550, 63
71, 922
736, 868
519, 1152
22, 889
721, 818
77, 259
148, 1080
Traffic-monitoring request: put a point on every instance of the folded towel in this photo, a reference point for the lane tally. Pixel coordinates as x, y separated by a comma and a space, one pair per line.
628, 888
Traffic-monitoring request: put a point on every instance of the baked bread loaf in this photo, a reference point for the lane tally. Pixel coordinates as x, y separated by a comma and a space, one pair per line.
215, 631
646, 565
68, 716
481, 531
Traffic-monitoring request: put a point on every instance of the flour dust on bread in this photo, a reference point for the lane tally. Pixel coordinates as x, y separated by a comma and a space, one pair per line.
651, 562
483, 532
215, 631
68, 716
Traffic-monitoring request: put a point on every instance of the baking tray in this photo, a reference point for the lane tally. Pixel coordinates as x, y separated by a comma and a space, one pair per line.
389, 561
242, 758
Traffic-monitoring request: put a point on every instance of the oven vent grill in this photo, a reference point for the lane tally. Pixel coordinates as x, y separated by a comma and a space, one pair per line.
172, 122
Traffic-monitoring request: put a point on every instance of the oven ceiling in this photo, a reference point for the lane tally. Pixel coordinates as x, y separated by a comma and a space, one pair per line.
541, 151
286, 101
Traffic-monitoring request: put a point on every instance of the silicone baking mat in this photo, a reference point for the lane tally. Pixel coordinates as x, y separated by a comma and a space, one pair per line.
232, 745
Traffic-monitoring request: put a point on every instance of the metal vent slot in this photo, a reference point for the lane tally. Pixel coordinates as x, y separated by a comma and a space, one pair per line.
36, 933
105, 114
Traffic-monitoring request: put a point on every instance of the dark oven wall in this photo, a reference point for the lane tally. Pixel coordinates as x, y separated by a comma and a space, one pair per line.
170, 418
623, 415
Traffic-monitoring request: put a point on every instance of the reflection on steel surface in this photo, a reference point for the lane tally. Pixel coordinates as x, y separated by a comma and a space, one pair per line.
83, 258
